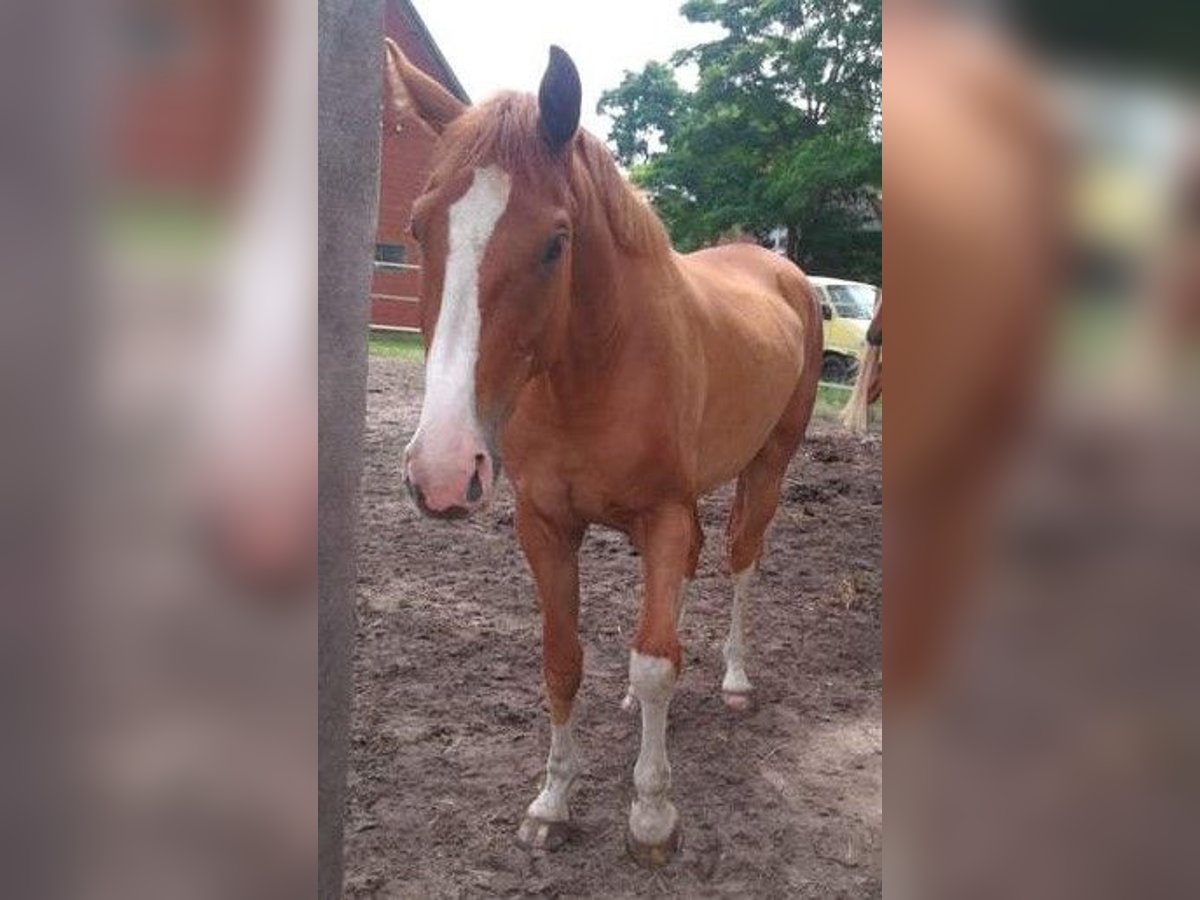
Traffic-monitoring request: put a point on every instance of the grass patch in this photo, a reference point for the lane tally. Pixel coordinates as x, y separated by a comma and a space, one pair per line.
830, 399
396, 343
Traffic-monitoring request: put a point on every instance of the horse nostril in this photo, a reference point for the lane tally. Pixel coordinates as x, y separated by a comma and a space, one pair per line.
474, 489
475, 486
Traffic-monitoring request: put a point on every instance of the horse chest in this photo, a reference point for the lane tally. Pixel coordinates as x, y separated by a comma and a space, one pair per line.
603, 474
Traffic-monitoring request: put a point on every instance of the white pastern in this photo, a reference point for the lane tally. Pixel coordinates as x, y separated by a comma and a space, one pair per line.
562, 765
736, 680
653, 818
450, 372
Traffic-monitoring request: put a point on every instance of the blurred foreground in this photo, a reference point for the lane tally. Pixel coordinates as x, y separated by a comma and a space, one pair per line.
159, 619
159, 486
1042, 521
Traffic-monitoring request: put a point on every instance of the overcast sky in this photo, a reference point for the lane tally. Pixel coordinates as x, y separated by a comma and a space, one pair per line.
494, 45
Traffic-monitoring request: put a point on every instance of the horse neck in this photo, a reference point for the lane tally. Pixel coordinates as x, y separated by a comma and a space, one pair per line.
618, 300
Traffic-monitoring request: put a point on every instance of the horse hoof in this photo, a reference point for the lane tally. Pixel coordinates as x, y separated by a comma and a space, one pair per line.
652, 856
736, 700
539, 834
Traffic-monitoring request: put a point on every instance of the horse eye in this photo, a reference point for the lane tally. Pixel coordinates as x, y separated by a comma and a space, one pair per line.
554, 249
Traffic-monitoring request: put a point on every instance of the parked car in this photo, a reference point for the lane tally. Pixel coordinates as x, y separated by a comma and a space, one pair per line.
847, 307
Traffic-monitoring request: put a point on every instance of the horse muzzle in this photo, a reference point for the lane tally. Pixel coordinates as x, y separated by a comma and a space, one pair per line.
451, 477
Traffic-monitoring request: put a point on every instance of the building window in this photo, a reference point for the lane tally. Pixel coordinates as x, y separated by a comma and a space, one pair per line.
389, 254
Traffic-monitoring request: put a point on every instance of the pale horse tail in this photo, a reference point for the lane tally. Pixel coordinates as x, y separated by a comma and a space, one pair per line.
854, 416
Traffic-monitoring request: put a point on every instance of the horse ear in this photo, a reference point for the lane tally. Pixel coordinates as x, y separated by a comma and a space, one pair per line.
558, 99
412, 92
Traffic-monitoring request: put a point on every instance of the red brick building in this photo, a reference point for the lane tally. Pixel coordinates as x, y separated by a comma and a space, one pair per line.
404, 165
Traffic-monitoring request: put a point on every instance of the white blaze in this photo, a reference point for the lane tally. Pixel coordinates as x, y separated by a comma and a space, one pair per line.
450, 372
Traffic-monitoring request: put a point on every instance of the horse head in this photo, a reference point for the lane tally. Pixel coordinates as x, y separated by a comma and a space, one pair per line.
495, 227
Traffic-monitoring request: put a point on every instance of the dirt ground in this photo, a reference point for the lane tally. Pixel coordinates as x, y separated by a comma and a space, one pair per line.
450, 732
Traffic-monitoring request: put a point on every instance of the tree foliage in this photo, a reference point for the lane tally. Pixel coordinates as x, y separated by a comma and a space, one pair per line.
782, 129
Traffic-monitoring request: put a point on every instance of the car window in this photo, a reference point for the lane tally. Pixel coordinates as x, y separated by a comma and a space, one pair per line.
852, 301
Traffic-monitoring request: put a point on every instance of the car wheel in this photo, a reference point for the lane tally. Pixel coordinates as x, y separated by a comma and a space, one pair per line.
838, 368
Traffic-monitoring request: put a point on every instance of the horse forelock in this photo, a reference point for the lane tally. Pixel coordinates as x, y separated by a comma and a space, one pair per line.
505, 131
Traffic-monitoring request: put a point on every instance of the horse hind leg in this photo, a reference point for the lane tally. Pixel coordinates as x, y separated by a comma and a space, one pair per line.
735, 686
754, 505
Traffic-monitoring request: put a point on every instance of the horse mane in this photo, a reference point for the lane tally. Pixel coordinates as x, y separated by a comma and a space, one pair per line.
505, 130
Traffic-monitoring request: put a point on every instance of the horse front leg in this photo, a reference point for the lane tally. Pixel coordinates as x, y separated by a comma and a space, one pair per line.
670, 542
552, 549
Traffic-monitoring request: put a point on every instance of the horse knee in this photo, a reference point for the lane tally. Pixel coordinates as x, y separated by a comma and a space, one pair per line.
651, 678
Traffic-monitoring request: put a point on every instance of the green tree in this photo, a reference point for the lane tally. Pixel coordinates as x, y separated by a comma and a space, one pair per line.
782, 129
644, 110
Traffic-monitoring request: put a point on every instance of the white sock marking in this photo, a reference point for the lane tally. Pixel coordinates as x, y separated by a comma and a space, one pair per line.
652, 817
450, 372
562, 765
736, 681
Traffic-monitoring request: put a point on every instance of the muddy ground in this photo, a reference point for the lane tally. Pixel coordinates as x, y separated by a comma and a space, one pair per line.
450, 731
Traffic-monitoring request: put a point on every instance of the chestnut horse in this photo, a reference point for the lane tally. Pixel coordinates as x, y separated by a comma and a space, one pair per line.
620, 379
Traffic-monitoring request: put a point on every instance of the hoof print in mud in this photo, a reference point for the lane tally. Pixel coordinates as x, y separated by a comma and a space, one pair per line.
538, 834
652, 856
